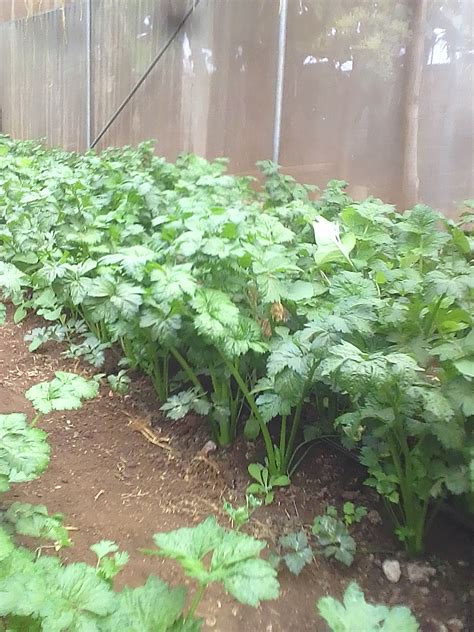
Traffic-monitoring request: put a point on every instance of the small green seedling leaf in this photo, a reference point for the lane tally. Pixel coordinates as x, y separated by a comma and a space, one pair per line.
279, 481
65, 392
269, 498
255, 471
34, 521
251, 428
356, 615
353, 514
300, 552
110, 560
333, 537
265, 483
178, 406
119, 383
241, 515
103, 548
24, 451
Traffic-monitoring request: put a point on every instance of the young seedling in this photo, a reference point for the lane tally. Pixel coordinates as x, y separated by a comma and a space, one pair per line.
119, 383
298, 551
39, 336
110, 561
333, 537
90, 349
352, 513
65, 392
354, 614
265, 482
239, 516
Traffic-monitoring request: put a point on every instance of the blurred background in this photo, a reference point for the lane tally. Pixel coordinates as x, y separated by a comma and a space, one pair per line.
378, 93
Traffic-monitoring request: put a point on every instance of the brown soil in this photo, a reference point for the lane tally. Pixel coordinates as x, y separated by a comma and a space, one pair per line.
113, 483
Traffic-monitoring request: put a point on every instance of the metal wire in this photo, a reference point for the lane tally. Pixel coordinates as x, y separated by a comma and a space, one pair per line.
145, 75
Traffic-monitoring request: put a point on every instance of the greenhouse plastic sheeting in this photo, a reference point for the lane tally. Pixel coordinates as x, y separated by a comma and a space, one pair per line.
213, 87
43, 90
212, 92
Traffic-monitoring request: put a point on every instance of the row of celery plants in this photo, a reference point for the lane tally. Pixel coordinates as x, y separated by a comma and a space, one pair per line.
262, 310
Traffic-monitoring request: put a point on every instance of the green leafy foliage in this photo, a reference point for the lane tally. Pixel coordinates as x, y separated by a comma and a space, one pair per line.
24, 451
40, 593
352, 513
333, 537
41, 335
329, 536
120, 382
240, 515
6, 545
354, 614
81, 343
91, 349
153, 606
265, 482
411, 432
34, 521
260, 309
298, 552
110, 560
235, 560
60, 598
180, 405
65, 392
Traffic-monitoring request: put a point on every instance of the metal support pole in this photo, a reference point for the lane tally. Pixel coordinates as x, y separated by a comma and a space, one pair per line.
282, 22
88, 15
